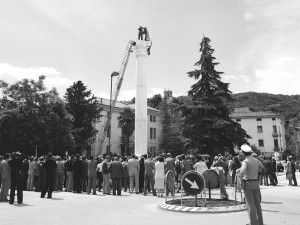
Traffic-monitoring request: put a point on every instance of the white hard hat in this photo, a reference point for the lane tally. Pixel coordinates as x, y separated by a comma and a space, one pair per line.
246, 148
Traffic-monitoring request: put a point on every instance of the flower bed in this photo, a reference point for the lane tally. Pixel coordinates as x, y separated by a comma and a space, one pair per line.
190, 202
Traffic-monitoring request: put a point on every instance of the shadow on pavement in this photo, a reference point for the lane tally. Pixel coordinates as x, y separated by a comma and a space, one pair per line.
22, 205
271, 202
57, 198
267, 210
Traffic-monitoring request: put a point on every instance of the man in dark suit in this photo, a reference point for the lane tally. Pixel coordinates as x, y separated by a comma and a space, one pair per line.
77, 174
84, 173
149, 174
16, 177
116, 173
49, 168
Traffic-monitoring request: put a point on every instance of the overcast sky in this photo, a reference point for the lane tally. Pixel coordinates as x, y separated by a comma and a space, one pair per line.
256, 42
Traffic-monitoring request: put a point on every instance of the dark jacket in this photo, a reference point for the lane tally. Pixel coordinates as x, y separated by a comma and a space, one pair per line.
50, 166
116, 170
105, 168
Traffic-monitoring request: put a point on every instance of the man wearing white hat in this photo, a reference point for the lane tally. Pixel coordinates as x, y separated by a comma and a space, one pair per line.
249, 175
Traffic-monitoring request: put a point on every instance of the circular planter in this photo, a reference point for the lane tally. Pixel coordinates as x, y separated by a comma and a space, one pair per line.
212, 206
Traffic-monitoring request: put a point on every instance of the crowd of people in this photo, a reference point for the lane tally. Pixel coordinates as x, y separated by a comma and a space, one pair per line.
114, 174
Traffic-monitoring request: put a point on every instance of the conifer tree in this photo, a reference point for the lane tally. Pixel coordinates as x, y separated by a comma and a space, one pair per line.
84, 108
207, 121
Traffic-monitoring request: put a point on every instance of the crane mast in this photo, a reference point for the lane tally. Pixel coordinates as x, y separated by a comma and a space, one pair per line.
106, 119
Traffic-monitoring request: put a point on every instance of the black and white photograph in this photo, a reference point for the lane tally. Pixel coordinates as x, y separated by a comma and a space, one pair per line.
149, 112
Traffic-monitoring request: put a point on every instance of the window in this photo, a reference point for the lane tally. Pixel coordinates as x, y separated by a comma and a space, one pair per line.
276, 143
259, 129
273, 118
152, 118
275, 129
238, 120
258, 119
261, 143
152, 133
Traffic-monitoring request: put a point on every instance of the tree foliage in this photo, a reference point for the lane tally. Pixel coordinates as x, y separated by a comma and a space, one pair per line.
126, 121
32, 118
171, 139
207, 121
154, 101
84, 108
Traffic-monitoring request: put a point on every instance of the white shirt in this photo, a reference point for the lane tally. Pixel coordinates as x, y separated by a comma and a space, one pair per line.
200, 167
99, 167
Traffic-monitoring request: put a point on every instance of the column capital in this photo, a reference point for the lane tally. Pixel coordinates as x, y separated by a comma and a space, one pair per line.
141, 47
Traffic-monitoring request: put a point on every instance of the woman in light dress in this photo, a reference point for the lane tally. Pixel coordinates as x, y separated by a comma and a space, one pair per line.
159, 177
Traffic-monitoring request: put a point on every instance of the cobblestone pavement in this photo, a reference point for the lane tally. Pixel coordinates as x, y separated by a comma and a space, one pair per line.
280, 206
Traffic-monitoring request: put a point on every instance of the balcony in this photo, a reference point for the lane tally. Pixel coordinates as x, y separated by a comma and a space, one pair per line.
275, 134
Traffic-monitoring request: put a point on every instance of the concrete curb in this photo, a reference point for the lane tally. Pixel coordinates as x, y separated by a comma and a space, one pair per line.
226, 209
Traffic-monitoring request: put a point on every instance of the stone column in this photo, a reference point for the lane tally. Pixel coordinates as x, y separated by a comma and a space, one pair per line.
141, 117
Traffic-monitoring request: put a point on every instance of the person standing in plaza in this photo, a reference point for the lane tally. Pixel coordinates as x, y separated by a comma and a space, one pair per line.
84, 173
133, 171
125, 174
92, 175
69, 172
77, 174
141, 174
49, 167
250, 185
31, 172
99, 173
186, 164
116, 173
5, 172
149, 175
273, 162
16, 178
59, 175
159, 176
293, 169
106, 179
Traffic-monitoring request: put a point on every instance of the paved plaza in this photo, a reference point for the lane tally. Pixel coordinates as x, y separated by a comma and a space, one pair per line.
280, 206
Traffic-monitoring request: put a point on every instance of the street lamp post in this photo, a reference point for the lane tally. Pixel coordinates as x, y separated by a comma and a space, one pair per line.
110, 113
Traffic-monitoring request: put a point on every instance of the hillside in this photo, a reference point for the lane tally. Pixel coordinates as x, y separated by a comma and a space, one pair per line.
287, 105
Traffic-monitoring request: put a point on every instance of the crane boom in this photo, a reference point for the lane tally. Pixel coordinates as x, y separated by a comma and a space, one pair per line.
107, 119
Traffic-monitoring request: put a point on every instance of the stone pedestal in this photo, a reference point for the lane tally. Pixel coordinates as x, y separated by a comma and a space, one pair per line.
141, 117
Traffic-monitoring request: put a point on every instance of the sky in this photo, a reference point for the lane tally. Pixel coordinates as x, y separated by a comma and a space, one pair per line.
256, 43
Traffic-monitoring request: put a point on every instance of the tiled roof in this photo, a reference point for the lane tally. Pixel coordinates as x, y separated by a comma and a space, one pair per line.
244, 112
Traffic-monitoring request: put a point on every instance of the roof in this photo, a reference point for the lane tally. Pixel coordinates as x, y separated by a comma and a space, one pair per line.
245, 112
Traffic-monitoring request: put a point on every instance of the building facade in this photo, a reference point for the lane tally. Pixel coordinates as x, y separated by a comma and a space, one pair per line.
267, 129
117, 139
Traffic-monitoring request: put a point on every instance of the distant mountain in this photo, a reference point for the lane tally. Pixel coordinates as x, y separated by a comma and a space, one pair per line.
287, 105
